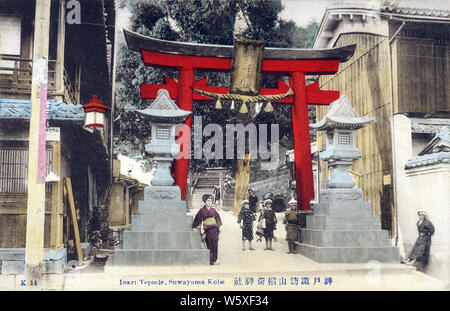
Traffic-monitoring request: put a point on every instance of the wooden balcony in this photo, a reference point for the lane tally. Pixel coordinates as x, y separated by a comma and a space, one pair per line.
16, 77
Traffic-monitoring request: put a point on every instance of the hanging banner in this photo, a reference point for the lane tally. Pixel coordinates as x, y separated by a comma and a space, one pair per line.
42, 157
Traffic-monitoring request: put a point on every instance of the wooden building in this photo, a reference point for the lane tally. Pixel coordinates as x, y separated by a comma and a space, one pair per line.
401, 66
79, 66
125, 193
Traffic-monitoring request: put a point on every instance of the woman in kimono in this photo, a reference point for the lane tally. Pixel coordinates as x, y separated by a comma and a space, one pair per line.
421, 249
268, 220
291, 222
246, 219
211, 221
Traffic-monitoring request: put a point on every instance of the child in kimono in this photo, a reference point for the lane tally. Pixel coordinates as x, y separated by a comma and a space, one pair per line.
291, 222
268, 222
246, 219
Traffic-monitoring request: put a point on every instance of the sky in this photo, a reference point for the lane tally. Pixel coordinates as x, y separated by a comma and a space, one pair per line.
304, 11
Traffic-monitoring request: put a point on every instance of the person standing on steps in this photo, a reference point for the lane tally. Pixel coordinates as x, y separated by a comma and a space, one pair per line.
210, 219
268, 223
246, 219
291, 222
216, 197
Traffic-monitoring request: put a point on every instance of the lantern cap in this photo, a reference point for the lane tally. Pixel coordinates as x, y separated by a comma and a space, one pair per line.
163, 108
95, 105
341, 115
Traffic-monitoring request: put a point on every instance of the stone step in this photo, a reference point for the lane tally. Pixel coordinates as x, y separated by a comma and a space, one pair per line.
176, 208
382, 254
210, 182
203, 190
12, 260
165, 193
342, 222
162, 240
197, 205
214, 180
357, 208
197, 200
198, 196
345, 238
161, 222
160, 257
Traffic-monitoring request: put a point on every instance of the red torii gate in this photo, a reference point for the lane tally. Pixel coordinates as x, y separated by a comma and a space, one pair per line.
294, 63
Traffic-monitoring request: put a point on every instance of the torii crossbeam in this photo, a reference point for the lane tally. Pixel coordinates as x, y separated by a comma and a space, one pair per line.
187, 58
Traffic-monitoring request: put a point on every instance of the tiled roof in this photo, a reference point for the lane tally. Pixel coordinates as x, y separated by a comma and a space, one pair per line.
11, 108
419, 12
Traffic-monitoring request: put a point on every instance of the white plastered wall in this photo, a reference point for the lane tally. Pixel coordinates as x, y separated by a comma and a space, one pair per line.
426, 188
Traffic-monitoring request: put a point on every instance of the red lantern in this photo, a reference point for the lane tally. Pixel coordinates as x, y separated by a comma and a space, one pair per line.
95, 113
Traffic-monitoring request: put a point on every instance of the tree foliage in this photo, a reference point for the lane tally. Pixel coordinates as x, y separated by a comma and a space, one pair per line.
212, 22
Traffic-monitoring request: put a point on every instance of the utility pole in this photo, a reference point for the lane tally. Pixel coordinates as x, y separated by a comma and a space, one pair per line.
34, 247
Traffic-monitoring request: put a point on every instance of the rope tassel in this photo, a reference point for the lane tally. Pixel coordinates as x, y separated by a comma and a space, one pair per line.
245, 99
218, 104
269, 107
244, 108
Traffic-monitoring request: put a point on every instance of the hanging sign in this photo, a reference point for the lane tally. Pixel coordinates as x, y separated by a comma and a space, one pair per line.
53, 134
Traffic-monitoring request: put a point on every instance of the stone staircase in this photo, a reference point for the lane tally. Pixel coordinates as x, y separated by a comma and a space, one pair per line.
204, 185
343, 230
197, 202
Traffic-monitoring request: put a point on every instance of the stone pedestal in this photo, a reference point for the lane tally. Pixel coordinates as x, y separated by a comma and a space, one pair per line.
343, 230
161, 233
12, 261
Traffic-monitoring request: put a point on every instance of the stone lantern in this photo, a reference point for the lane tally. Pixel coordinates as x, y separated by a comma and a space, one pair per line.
340, 124
161, 231
342, 228
163, 114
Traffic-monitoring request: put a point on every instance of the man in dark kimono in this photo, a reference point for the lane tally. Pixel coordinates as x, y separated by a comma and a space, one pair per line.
421, 249
210, 219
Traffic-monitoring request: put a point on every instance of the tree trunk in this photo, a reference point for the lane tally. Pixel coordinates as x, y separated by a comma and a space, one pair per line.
242, 181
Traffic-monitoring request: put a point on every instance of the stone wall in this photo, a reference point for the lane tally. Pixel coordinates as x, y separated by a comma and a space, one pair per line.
277, 185
421, 188
429, 189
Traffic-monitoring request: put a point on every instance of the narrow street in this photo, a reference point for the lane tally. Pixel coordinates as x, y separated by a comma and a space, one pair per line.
240, 271
255, 270
233, 258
